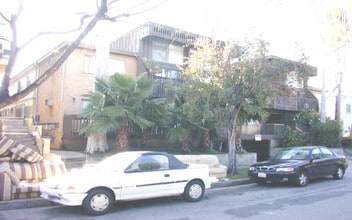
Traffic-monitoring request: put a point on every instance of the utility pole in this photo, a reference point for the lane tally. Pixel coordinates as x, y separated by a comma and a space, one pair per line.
338, 97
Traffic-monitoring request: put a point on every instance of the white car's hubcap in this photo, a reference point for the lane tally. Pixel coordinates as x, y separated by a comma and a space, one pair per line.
99, 202
195, 191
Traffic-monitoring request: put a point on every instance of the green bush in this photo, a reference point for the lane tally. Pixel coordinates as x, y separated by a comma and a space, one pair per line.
325, 134
328, 134
293, 138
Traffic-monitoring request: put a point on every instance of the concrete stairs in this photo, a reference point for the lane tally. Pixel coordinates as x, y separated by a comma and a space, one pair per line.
16, 129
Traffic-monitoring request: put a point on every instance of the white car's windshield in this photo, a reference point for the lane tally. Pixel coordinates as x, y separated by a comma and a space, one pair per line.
117, 161
292, 154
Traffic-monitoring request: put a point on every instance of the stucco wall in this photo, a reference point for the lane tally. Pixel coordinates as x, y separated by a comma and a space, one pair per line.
243, 160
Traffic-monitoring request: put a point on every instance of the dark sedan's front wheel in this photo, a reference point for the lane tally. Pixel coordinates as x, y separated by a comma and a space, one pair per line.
339, 173
302, 179
261, 182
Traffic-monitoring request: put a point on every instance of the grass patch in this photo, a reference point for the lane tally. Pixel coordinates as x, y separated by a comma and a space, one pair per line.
242, 173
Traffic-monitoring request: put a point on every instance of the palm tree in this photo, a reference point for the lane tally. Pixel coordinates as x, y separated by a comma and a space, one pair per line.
98, 123
125, 100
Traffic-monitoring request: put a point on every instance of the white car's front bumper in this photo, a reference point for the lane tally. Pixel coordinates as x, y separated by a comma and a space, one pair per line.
63, 197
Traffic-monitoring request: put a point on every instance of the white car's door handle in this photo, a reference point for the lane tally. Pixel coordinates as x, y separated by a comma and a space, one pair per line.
166, 175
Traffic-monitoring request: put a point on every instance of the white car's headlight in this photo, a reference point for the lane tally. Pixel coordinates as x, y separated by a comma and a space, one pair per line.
285, 169
63, 186
68, 187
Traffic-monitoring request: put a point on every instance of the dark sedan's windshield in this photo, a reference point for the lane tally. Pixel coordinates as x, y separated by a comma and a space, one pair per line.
292, 154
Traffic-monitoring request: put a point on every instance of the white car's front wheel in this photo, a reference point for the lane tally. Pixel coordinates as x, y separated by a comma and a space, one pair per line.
98, 202
194, 191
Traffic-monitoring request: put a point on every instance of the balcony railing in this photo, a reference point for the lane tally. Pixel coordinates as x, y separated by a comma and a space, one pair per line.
268, 131
170, 33
294, 103
160, 89
273, 129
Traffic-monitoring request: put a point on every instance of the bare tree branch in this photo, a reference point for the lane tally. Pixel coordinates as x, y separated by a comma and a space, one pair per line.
83, 18
4, 17
101, 15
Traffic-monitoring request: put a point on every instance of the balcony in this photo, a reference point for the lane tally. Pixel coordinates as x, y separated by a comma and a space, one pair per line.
249, 132
160, 89
296, 103
170, 33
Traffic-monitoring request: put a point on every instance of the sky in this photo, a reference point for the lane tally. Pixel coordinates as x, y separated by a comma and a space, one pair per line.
292, 27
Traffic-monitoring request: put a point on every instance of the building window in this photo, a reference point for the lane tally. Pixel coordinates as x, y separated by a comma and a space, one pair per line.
175, 54
90, 64
167, 53
169, 73
160, 52
348, 108
19, 86
84, 104
117, 66
113, 66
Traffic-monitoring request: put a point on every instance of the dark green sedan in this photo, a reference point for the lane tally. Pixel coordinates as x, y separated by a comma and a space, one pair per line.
298, 165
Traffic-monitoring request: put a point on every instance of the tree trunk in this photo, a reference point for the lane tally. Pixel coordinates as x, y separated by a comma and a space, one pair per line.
232, 165
4, 89
232, 137
122, 139
97, 142
205, 142
184, 145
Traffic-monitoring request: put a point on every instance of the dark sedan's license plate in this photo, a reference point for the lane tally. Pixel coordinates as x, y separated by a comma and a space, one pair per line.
262, 175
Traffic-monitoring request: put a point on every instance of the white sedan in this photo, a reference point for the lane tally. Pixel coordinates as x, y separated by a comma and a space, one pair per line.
128, 176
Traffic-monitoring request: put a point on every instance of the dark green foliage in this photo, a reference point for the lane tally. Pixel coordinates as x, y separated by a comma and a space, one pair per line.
293, 138
328, 134
317, 133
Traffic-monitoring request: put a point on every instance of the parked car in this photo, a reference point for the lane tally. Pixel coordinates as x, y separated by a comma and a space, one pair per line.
128, 176
298, 165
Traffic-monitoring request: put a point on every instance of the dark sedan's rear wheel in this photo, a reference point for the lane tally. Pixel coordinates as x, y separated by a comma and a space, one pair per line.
98, 202
194, 191
339, 173
302, 179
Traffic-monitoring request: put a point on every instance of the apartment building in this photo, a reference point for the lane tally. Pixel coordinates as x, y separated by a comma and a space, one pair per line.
57, 102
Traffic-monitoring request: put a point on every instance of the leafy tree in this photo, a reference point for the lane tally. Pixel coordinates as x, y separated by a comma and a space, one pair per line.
198, 109
180, 131
308, 119
243, 80
339, 26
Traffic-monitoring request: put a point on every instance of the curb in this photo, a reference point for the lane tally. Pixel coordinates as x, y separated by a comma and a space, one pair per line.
23, 204
40, 202
228, 183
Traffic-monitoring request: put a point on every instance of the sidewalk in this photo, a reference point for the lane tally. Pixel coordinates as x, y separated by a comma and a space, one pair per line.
75, 159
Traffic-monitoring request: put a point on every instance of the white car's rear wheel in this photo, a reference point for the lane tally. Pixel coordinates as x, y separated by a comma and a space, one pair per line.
194, 191
98, 202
